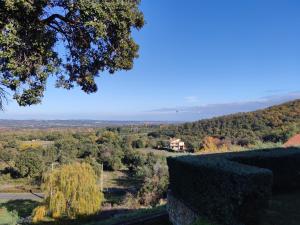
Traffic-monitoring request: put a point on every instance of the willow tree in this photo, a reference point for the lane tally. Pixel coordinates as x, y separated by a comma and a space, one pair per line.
74, 40
71, 191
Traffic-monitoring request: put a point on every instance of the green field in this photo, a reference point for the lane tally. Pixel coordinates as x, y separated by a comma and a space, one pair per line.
12, 210
164, 153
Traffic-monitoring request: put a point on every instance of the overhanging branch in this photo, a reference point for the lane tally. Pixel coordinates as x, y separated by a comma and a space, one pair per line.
53, 17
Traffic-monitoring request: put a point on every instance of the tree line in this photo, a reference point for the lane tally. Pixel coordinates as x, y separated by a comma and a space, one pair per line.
51, 159
274, 124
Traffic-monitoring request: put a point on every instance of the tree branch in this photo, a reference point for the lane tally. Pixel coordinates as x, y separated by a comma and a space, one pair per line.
53, 17
55, 28
60, 30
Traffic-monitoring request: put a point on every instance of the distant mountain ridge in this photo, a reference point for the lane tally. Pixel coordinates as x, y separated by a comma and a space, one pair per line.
273, 124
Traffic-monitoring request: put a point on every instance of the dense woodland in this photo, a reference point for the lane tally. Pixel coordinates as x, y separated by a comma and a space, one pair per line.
274, 124
33, 159
27, 156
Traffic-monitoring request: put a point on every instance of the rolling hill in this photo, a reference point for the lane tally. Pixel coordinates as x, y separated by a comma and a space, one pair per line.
273, 124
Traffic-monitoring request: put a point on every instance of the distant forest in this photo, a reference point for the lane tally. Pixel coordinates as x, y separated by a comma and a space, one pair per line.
274, 124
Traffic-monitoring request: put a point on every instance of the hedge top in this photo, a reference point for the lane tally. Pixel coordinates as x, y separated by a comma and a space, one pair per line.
219, 164
234, 188
232, 156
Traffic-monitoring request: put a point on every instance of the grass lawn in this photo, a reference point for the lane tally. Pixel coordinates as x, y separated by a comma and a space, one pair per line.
20, 185
132, 215
164, 153
8, 218
119, 179
11, 185
117, 219
117, 184
12, 210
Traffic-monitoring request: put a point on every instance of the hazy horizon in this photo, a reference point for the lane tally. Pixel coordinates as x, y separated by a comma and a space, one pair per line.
177, 114
197, 60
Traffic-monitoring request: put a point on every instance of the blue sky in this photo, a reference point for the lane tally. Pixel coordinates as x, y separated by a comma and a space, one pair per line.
197, 59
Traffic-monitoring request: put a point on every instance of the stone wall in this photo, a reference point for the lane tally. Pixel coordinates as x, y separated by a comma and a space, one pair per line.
179, 213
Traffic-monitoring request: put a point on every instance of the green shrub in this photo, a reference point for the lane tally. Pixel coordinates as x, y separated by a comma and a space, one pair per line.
202, 222
234, 188
138, 143
29, 164
110, 156
284, 163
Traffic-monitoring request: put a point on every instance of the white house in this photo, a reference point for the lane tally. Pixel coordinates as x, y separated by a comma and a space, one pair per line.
176, 144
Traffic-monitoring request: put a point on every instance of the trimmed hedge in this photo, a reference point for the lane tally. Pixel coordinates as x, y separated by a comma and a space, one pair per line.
284, 163
233, 188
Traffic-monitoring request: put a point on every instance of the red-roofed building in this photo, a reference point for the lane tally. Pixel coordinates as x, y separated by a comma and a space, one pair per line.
293, 141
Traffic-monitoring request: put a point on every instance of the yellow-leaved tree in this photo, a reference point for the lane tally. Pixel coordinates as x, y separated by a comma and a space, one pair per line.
214, 144
209, 144
72, 191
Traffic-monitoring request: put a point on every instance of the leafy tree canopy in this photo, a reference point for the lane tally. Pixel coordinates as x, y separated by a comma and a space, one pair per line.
274, 124
29, 164
95, 36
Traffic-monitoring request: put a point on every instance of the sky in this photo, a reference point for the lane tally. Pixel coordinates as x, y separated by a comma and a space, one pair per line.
198, 59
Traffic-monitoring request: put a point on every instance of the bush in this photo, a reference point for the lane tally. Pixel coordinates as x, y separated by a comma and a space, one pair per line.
220, 189
110, 156
139, 143
152, 170
39, 214
131, 201
29, 164
284, 164
154, 134
154, 174
162, 144
8, 154
133, 161
154, 187
97, 167
202, 222
67, 149
234, 188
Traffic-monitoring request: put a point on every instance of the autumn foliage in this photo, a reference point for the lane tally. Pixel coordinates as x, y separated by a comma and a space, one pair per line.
214, 144
71, 191
39, 213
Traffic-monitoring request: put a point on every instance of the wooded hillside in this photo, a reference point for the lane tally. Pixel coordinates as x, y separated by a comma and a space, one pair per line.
274, 124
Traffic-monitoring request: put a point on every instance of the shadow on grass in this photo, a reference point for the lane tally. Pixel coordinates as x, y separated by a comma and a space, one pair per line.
118, 217
114, 196
24, 208
128, 181
123, 184
284, 210
12, 171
